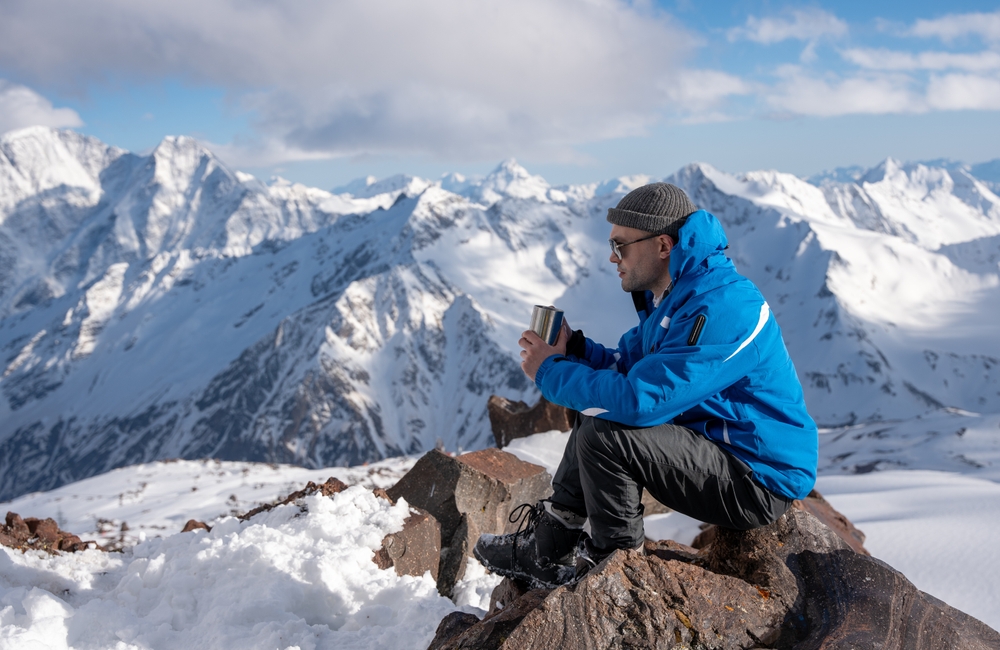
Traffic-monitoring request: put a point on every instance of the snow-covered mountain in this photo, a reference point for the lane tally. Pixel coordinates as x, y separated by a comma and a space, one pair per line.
165, 306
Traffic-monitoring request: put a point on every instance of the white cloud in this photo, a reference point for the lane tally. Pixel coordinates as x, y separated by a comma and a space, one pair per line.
449, 78
701, 90
882, 59
964, 91
801, 24
21, 106
881, 93
953, 26
801, 94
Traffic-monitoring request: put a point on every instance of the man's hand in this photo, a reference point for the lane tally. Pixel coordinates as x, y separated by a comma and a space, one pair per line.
535, 350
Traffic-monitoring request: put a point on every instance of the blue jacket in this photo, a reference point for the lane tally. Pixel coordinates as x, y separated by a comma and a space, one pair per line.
736, 384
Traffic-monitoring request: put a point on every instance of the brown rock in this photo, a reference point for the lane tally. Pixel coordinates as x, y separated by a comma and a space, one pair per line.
71, 544
793, 584
504, 594
414, 550
329, 488
451, 626
705, 537
46, 530
17, 526
40, 534
469, 495
495, 628
651, 506
194, 524
818, 507
511, 420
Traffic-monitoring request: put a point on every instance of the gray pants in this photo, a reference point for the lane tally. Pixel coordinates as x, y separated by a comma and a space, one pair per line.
606, 465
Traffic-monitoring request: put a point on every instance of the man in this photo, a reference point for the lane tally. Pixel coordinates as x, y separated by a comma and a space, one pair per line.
699, 404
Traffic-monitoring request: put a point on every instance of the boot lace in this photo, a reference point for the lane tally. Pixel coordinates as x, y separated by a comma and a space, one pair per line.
526, 516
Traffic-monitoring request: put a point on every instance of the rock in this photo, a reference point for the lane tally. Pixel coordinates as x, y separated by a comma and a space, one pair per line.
469, 495
40, 534
818, 507
793, 584
511, 420
414, 550
506, 593
194, 524
651, 506
451, 626
329, 488
493, 631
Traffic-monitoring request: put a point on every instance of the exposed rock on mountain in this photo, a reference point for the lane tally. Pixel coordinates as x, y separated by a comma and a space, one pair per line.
38, 534
794, 584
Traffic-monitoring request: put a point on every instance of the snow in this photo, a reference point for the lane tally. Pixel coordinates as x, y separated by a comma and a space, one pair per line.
156, 499
284, 579
301, 575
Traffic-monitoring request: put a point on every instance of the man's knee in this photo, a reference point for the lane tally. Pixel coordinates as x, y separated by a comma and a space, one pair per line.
594, 435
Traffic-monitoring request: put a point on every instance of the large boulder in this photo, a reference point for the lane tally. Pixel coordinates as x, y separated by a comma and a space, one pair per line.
470, 495
793, 584
511, 419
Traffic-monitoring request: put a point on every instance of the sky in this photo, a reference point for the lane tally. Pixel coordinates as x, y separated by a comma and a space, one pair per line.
575, 90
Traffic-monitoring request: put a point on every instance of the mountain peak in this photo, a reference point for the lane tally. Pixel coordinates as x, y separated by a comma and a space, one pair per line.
368, 186
510, 179
886, 169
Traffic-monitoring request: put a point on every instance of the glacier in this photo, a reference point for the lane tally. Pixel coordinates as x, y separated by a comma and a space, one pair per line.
166, 306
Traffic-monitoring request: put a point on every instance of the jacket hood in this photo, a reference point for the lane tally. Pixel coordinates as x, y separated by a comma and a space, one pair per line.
699, 238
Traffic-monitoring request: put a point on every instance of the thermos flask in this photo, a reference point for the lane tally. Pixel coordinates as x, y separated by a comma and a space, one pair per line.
546, 323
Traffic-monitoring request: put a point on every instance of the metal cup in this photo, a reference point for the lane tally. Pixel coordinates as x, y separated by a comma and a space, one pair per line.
546, 323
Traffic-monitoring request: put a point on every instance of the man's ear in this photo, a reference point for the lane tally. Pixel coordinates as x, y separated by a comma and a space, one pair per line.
666, 245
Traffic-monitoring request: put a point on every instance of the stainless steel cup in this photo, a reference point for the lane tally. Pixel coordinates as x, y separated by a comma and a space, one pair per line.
546, 323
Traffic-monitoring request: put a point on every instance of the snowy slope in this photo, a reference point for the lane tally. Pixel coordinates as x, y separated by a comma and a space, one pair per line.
164, 306
284, 579
171, 590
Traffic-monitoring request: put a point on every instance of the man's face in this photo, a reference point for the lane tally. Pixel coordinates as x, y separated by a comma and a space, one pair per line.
641, 265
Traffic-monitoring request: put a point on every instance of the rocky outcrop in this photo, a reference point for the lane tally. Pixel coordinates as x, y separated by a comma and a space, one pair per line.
793, 584
414, 550
818, 507
39, 534
470, 495
511, 420
329, 488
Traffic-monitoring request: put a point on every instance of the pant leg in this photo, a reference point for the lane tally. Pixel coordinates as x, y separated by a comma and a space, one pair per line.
681, 468
567, 490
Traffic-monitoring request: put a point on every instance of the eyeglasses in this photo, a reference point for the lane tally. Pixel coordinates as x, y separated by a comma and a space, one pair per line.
616, 248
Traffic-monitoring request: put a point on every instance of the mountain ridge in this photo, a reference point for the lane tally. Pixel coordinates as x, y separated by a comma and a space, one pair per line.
178, 308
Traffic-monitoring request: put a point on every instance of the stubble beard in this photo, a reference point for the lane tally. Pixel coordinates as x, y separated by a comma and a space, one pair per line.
639, 278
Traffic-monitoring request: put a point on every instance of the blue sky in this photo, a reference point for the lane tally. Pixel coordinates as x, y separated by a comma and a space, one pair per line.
576, 90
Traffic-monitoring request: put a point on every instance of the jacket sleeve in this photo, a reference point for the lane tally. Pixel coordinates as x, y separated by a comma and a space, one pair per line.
671, 379
599, 357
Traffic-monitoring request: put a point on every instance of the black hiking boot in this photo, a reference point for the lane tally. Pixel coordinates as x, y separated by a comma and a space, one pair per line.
588, 557
541, 553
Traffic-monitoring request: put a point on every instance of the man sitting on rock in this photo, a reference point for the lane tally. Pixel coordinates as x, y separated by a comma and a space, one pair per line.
699, 404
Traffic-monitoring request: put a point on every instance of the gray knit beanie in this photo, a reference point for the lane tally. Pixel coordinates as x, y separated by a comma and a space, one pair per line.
659, 208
